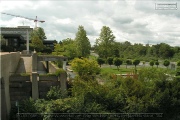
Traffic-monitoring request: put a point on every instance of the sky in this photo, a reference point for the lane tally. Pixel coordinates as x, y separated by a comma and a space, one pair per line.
136, 21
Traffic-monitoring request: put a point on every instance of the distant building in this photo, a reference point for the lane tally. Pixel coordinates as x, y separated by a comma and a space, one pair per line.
17, 37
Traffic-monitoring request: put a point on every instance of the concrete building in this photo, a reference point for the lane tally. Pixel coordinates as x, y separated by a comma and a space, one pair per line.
16, 37
14, 87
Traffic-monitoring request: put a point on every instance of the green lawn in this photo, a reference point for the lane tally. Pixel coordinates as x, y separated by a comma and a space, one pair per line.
115, 70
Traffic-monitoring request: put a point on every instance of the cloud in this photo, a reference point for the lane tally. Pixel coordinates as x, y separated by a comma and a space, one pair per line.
134, 21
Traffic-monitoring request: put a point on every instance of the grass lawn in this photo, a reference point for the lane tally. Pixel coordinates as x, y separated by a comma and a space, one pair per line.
115, 70
92, 57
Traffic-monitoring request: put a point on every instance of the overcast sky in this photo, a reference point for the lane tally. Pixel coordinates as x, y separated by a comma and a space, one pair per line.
136, 21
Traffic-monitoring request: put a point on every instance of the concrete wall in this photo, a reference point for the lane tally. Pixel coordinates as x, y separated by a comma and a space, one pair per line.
20, 88
44, 84
9, 63
52, 67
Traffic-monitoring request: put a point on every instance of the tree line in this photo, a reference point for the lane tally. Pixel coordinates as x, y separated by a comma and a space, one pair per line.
106, 46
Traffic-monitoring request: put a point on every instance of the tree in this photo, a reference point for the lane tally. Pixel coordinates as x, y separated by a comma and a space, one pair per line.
100, 61
110, 60
38, 32
156, 63
105, 42
85, 68
178, 71
69, 47
135, 63
166, 63
83, 45
128, 62
151, 63
57, 48
37, 44
47, 50
165, 50
117, 62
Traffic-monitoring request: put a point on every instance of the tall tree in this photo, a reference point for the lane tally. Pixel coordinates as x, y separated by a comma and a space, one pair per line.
83, 45
69, 47
37, 44
38, 32
105, 42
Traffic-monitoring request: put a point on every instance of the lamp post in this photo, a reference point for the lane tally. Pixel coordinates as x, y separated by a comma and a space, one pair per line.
27, 42
17, 105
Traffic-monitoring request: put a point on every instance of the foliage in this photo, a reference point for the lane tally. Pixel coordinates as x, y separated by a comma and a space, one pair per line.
105, 42
58, 63
67, 48
47, 50
57, 48
83, 45
59, 72
100, 61
151, 92
55, 92
70, 50
178, 63
136, 62
37, 44
110, 60
39, 32
128, 62
25, 106
178, 71
151, 63
156, 63
166, 63
85, 68
117, 62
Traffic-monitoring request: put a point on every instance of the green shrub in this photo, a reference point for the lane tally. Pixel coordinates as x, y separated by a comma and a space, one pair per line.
178, 71
55, 92
59, 71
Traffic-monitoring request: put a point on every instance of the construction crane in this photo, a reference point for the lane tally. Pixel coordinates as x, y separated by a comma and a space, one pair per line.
35, 20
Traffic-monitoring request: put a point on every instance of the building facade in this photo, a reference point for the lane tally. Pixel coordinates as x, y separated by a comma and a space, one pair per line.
16, 38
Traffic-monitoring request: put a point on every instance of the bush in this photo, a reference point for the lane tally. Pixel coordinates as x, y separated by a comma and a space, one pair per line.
178, 71
55, 92
178, 63
59, 71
